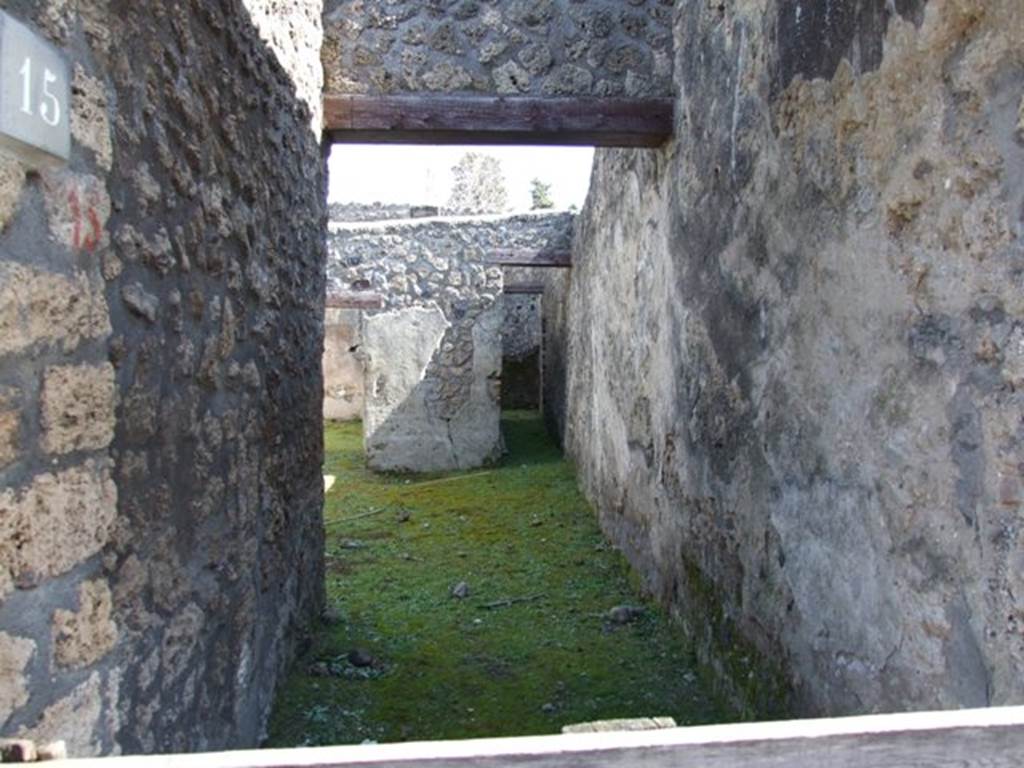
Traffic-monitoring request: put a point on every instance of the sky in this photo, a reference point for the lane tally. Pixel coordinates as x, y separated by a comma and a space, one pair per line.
364, 173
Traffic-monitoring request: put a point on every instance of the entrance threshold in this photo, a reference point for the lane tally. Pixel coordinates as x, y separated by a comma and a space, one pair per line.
986, 738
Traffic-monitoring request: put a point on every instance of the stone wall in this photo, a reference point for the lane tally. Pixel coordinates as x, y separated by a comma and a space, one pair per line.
344, 374
356, 212
554, 331
555, 358
161, 299
523, 47
521, 345
797, 347
433, 353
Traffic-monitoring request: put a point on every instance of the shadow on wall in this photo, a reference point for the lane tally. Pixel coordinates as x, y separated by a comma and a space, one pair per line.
521, 383
805, 403
432, 398
521, 351
344, 390
161, 305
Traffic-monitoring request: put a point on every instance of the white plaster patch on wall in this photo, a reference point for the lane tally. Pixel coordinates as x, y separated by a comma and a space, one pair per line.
400, 431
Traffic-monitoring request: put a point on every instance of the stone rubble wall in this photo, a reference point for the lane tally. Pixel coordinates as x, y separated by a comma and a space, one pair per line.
161, 299
796, 348
555, 352
553, 339
359, 212
439, 296
603, 48
523, 330
521, 340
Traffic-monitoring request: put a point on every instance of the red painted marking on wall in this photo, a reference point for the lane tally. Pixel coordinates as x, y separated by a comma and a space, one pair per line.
76, 218
91, 238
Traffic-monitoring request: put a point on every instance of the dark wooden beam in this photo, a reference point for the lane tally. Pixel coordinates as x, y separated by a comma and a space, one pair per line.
478, 119
559, 259
525, 289
355, 301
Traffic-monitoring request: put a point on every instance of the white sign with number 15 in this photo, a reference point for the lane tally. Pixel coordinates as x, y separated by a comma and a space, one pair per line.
35, 94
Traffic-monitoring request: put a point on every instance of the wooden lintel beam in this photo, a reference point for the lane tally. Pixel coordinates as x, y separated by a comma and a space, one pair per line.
522, 258
481, 119
524, 289
355, 301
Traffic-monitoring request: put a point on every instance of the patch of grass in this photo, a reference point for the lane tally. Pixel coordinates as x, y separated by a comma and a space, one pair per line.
452, 669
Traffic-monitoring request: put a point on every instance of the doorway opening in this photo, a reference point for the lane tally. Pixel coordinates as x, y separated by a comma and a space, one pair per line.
446, 272
471, 594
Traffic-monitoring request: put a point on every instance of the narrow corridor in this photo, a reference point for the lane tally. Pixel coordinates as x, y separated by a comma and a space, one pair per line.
477, 604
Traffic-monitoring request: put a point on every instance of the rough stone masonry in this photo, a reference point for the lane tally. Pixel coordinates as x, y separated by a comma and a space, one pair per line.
600, 48
432, 355
795, 352
161, 303
797, 347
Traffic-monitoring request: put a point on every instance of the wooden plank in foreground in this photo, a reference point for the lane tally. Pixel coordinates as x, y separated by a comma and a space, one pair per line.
481, 119
355, 301
524, 289
529, 258
987, 738
621, 724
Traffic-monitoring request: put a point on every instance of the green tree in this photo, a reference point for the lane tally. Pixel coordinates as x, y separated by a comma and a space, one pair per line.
478, 186
541, 195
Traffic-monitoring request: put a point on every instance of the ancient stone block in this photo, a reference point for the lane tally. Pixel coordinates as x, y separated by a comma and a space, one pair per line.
141, 303
12, 180
510, 78
446, 77
568, 79
398, 347
38, 306
73, 720
84, 637
78, 408
90, 123
9, 428
15, 653
537, 58
56, 522
793, 385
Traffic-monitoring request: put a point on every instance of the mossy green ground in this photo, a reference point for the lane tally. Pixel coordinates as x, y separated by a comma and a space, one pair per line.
454, 669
